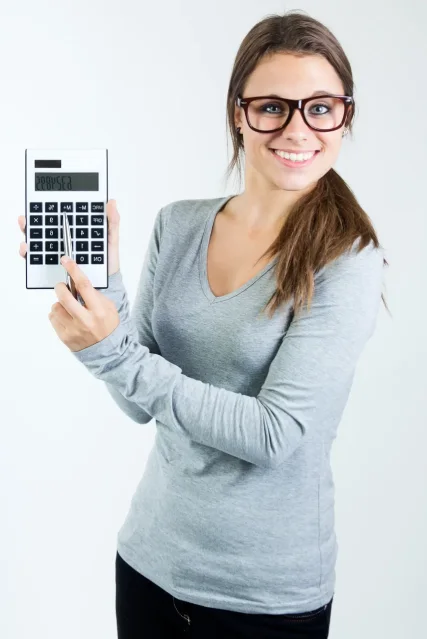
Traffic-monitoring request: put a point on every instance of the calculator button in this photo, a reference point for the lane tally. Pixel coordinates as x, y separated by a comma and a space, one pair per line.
81, 258
36, 220
36, 246
63, 249
66, 207
82, 220
71, 231
51, 246
51, 220
52, 259
97, 220
82, 233
36, 207
36, 233
97, 207
36, 259
97, 246
70, 220
98, 233
97, 259
82, 246
51, 207
82, 207
49, 233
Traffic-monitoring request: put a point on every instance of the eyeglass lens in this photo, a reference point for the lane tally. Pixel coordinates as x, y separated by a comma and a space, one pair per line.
267, 114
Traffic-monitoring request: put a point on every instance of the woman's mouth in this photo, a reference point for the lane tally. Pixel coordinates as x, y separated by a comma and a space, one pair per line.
294, 164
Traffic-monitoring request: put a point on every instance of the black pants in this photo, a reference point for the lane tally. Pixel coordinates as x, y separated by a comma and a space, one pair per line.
145, 611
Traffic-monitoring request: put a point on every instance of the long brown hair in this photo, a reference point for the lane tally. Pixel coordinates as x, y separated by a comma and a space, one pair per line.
325, 222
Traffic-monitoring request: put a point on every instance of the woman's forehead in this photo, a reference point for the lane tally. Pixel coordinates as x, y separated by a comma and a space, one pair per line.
293, 76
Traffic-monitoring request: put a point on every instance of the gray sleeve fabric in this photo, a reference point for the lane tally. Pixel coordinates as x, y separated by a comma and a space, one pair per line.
140, 330
312, 368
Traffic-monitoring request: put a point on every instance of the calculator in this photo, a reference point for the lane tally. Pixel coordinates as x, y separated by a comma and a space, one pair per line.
72, 183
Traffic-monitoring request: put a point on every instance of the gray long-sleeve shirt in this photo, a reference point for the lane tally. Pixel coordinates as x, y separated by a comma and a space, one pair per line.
235, 509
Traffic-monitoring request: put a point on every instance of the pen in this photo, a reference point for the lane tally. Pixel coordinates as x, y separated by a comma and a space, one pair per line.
69, 251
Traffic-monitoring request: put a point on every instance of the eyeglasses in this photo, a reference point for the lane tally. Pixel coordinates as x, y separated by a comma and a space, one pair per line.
266, 114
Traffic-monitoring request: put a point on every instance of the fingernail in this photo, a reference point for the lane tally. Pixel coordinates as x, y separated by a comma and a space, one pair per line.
65, 259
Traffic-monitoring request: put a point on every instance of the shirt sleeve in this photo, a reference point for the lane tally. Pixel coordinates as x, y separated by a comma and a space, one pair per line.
137, 322
313, 367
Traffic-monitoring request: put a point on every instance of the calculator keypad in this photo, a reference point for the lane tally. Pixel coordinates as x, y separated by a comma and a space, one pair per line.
46, 233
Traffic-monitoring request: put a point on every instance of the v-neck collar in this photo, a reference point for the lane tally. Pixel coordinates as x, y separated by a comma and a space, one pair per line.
203, 258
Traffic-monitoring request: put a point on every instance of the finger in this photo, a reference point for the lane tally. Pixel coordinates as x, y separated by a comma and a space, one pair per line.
113, 215
57, 325
84, 287
61, 313
23, 249
69, 302
22, 222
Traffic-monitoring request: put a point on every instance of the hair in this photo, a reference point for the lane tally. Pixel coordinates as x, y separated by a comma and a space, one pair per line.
325, 222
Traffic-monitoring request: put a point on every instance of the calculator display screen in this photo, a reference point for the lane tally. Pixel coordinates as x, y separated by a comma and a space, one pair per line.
67, 182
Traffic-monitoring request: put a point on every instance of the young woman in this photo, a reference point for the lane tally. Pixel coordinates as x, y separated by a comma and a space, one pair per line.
250, 316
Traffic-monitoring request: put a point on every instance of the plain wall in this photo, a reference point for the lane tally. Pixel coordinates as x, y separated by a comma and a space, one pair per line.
149, 82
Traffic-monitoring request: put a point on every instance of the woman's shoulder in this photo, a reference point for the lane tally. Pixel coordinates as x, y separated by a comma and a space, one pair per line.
181, 215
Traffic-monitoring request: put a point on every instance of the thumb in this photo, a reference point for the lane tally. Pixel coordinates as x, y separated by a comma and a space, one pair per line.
113, 216
113, 237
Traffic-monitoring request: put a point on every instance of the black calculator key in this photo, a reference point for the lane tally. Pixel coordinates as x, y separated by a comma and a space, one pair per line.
98, 233
81, 258
63, 248
82, 207
82, 220
51, 220
69, 218
51, 233
66, 207
97, 207
52, 259
82, 233
51, 246
62, 245
36, 220
82, 246
71, 232
51, 207
36, 207
97, 220
36, 233
97, 246
36, 246
36, 259
97, 259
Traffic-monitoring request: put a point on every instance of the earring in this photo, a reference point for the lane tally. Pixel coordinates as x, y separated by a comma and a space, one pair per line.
345, 132
238, 130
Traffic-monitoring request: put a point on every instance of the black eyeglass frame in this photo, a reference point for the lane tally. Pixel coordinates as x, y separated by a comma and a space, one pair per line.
293, 105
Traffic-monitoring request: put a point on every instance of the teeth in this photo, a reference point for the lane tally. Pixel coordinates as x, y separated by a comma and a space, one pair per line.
295, 157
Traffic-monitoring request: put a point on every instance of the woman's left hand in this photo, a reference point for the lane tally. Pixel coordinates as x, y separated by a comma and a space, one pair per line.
82, 326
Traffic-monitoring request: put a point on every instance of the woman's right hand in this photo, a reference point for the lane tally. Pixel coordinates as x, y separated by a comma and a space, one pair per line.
113, 237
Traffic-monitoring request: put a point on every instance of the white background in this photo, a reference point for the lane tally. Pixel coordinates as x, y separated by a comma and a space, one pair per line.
149, 83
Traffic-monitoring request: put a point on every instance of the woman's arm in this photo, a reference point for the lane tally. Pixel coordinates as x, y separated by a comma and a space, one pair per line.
310, 374
137, 323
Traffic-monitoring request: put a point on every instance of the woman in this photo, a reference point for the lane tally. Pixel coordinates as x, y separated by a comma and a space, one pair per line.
250, 316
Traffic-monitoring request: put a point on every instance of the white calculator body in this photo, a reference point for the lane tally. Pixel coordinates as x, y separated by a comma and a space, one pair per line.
74, 182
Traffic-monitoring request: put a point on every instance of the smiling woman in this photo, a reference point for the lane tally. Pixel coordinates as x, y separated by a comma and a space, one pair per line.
273, 105
231, 529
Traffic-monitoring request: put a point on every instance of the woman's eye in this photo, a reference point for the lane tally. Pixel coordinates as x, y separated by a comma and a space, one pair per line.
271, 106
321, 106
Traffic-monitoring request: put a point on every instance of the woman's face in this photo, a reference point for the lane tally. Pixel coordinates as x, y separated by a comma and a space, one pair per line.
289, 76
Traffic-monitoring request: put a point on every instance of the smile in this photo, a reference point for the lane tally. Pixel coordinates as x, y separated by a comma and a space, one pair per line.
292, 158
